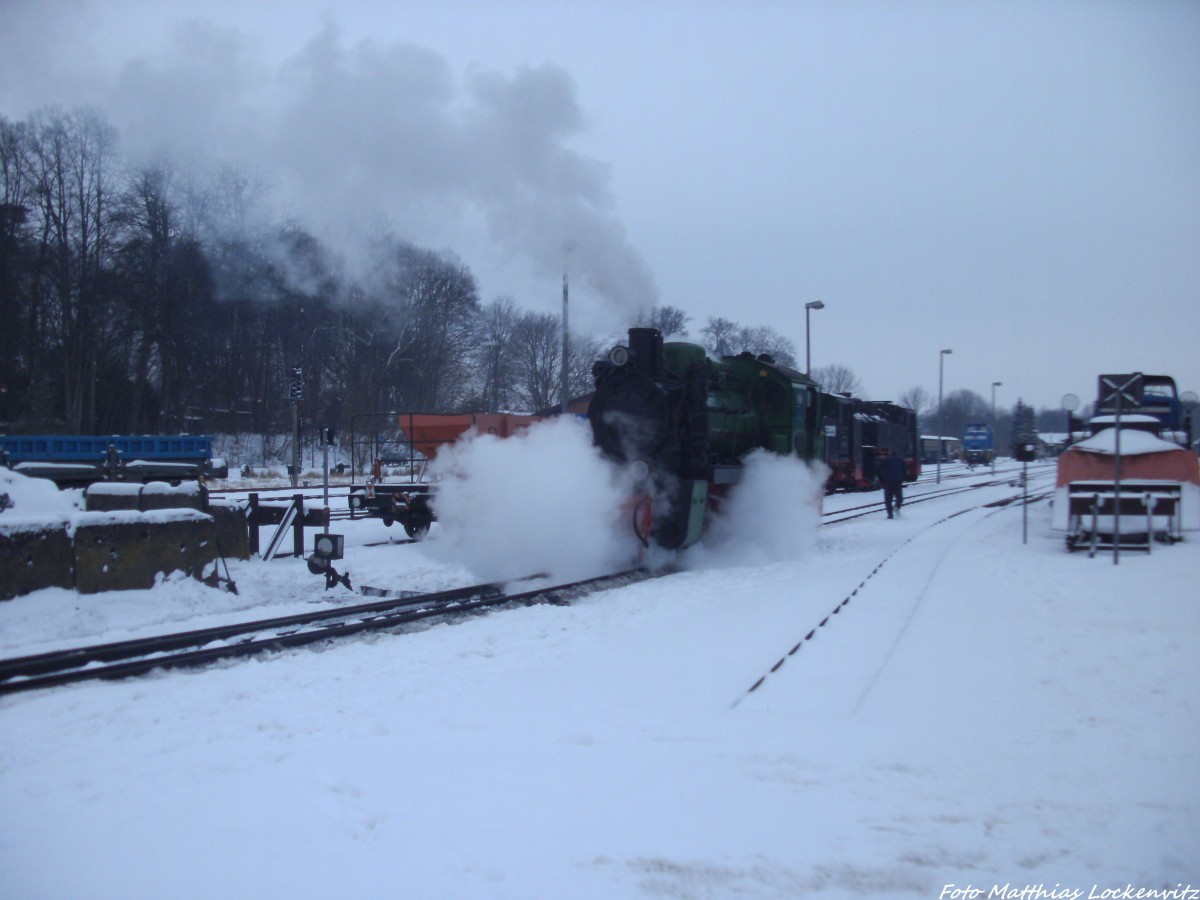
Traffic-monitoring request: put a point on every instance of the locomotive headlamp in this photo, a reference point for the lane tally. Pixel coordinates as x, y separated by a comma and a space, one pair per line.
329, 546
640, 470
618, 355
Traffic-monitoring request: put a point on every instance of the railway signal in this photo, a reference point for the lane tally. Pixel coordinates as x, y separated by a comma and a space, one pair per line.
1121, 391
1117, 392
296, 395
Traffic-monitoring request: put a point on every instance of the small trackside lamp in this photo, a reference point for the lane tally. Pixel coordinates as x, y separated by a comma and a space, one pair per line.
329, 546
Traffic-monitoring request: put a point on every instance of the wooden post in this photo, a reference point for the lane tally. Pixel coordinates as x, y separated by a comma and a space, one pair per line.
298, 526
252, 524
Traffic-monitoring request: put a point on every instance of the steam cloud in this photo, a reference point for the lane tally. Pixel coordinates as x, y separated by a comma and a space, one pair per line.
541, 501
771, 515
545, 501
352, 135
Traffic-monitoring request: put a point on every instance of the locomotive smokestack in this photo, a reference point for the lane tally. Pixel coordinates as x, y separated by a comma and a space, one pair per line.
646, 349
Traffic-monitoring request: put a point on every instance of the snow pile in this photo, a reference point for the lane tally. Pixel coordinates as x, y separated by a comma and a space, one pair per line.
543, 500
35, 496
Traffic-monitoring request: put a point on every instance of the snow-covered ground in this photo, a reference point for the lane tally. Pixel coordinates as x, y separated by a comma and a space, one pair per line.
983, 712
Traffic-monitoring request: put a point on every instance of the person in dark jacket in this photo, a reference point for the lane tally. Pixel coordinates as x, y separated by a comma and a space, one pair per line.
891, 475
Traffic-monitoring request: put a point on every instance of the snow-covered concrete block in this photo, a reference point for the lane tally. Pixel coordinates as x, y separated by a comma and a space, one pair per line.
119, 551
35, 553
106, 496
160, 495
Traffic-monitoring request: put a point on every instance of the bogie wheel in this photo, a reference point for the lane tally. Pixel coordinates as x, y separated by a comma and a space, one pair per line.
416, 524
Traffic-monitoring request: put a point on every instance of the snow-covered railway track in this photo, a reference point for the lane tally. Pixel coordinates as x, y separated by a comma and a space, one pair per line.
195, 648
911, 498
993, 507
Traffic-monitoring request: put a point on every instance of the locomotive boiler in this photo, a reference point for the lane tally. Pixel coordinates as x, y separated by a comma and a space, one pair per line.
686, 422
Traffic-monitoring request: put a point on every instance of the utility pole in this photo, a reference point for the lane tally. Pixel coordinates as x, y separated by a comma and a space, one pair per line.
565, 349
941, 424
995, 384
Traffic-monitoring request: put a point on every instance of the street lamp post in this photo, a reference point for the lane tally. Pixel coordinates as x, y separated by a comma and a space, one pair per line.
808, 308
941, 425
995, 384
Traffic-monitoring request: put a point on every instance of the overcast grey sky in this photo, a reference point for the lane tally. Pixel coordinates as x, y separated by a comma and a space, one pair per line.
1017, 181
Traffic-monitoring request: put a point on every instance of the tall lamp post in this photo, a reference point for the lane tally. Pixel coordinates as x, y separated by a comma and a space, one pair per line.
941, 426
995, 384
808, 308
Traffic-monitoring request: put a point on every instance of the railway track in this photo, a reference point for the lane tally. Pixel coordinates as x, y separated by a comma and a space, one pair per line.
911, 499
203, 646
392, 609
993, 507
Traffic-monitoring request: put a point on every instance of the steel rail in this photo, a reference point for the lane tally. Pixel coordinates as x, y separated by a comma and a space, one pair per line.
879, 505
142, 655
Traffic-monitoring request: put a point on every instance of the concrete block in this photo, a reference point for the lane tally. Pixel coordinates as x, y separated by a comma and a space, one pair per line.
34, 554
231, 530
106, 496
121, 551
160, 495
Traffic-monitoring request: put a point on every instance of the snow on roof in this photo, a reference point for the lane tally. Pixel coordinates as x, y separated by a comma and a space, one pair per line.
1131, 418
1132, 443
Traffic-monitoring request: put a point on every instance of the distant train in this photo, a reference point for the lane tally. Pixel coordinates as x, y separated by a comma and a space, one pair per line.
856, 431
688, 422
977, 443
73, 460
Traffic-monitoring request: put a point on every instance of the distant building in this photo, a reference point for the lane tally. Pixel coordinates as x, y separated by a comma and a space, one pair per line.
1053, 443
951, 448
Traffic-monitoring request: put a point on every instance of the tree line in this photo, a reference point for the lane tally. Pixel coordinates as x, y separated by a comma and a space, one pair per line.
965, 407
142, 298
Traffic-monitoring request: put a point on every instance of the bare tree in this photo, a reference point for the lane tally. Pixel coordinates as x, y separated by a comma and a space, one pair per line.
492, 355
538, 360
959, 409
671, 321
765, 341
837, 379
443, 304
73, 161
585, 350
20, 351
915, 398
720, 337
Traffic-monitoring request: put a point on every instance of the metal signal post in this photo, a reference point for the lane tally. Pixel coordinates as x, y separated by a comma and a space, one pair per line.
296, 395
